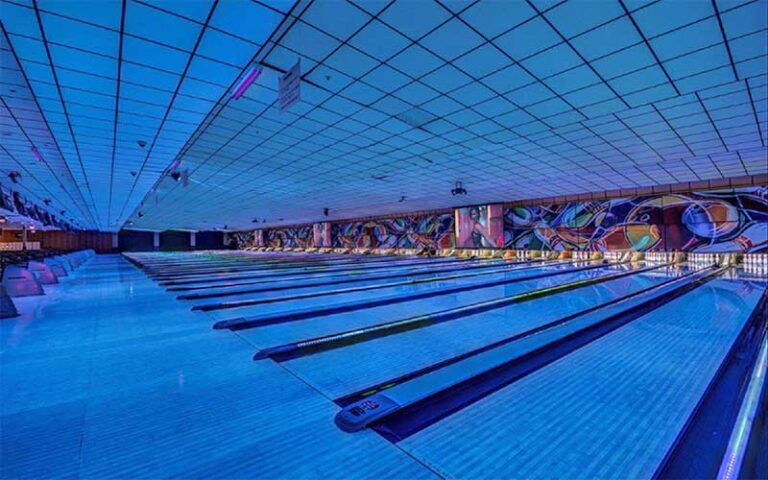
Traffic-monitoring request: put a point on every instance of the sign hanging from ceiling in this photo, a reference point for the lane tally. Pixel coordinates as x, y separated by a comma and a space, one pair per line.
289, 87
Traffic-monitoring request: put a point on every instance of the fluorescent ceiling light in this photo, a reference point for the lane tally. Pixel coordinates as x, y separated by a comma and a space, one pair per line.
246, 82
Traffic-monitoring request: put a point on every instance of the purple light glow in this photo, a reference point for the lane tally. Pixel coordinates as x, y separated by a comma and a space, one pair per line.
37, 155
247, 81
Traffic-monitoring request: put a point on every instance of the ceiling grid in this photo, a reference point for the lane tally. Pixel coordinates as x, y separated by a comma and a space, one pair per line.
399, 100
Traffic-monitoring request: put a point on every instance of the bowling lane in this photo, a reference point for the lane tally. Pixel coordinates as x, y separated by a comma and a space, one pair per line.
612, 409
253, 260
349, 369
246, 259
340, 322
234, 285
280, 264
299, 271
391, 292
371, 283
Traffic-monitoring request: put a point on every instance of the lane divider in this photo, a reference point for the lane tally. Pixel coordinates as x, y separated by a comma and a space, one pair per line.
352, 275
232, 282
294, 273
237, 260
313, 346
715, 416
362, 288
397, 420
392, 382
257, 267
323, 283
265, 320
739, 442
155, 268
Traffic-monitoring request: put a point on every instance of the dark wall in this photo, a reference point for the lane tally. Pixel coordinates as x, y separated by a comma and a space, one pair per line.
99, 241
11, 236
171, 241
135, 241
209, 241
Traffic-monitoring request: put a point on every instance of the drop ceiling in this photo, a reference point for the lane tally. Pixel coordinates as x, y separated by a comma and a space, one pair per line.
399, 100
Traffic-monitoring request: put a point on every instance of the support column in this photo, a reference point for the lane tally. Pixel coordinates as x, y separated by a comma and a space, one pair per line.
193, 240
156, 240
114, 241
322, 234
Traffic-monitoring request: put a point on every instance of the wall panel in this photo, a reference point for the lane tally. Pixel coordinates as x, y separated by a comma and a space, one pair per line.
173, 241
135, 241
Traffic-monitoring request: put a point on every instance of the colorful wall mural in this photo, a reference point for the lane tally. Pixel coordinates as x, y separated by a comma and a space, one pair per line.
479, 226
430, 231
301, 236
240, 240
712, 221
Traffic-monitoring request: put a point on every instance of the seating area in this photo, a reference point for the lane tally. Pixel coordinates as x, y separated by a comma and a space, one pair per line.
27, 273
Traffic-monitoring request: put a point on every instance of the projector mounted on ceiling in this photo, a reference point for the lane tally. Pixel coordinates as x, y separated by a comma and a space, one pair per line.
458, 190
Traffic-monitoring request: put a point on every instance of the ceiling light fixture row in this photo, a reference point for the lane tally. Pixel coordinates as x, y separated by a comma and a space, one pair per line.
250, 77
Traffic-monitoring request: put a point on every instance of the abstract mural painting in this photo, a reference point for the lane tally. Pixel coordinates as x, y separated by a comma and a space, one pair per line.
427, 231
242, 240
295, 237
713, 221
479, 227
